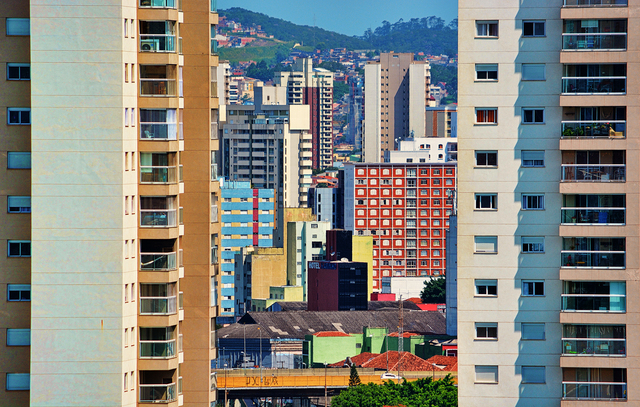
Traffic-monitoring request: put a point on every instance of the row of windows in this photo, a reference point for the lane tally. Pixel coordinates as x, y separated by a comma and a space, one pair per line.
530, 115
489, 288
529, 374
530, 202
411, 203
489, 244
410, 223
528, 72
528, 158
400, 182
410, 172
530, 28
410, 213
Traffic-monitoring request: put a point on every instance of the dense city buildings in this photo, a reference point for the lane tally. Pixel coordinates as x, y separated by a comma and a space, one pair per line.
441, 121
395, 98
424, 150
547, 241
337, 286
311, 86
306, 241
405, 208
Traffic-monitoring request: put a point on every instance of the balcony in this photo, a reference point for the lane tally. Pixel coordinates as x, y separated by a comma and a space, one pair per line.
594, 173
157, 81
595, 3
593, 259
158, 349
158, 3
158, 218
157, 174
158, 305
590, 296
594, 391
594, 340
593, 216
589, 42
594, 129
157, 43
600, 85
157, 393
214, 213
157, 261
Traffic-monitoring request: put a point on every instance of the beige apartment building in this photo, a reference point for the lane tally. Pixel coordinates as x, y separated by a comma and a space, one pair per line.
548, 261
110, 223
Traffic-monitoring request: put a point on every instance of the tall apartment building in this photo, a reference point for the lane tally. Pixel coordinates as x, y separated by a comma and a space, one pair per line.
424, 150
107, 138
405, 207
306, 241
311, 86
396, 93
441, 121
548, 119
356, 110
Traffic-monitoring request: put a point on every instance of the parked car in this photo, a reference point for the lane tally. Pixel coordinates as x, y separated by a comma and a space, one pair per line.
390, 376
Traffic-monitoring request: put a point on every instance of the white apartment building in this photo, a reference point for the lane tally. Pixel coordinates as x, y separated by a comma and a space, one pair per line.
424, 150
306, 241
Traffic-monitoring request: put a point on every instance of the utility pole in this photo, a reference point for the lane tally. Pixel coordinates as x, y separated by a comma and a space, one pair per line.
325, 385
260, 355
400, 339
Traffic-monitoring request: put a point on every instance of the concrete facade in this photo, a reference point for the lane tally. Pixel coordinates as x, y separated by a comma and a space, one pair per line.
306, 241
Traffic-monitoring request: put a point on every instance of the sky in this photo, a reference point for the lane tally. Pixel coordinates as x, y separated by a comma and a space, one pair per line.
351, 17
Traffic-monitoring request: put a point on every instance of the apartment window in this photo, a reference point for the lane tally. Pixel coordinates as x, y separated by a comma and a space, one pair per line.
18, 26
533, 29
533, 374
487, 115
18, 292
486, 29
532, 116
19, 248
314, 226
532, 244
18, 72
486, 158
18, 337
19, 204
533, 288
533, 72
486, 330
18, 381
486, 288
531, 158
18, 116
486, 374
532, 331
126, 375
486, 72
486, 244
18, 160
486, 201
533, 202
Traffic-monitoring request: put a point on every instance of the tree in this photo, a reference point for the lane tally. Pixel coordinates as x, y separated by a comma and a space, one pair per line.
339, 90
354, 379
434, 291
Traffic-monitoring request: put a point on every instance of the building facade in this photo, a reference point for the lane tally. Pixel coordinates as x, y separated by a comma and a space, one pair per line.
442, 121
547, 298
424, 150
337, 286
405, 208
306, 241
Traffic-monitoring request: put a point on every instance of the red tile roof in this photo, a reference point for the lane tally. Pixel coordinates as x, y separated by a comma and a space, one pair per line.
408, 362
450, 363
330, 333
404, 334
358, 360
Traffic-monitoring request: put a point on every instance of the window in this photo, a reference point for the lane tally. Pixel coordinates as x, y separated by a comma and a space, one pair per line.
532, 244
18, 337
18, 160
486, 28
486, 288
486, 201
314, 226
19, 248
486, 72
18, 72
487, 115
486, 244
18, 292
316, 245
531, 331
531, 158
533, 29
533, 374
533, 288
17, 381
486, 158
486, 330
532, 116
18, 26
486, 374
19, 204
532, 202
18, 116
533, 72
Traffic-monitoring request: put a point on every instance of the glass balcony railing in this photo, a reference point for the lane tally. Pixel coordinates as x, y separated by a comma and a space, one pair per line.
593, 173
157, 175
214, 6
214, 172
158, 261
608, 41
157, 43
592, 259
588, 85
163, 218
596, 3
158, 3
158, 131
214, 46
157, 393
594, 302
594, 391
593, 347
158, 349
594, 129
157, 87
214, 213
158, 305
593, 216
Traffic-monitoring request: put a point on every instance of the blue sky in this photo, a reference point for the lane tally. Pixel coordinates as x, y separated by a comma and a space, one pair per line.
351, 17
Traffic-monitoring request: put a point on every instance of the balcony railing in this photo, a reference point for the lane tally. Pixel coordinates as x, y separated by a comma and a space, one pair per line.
157, 43
158, 131
593, 259
158, 305
214, 172
214, 213
157, 175
158, 349
608, 41
596, 3
594, 391
589, 85
593, 216
214, 131
152, 218
594, 302
158, 261
593, 173
594, 129
158, 3
593, 347
157, 87
214, 46
157, 393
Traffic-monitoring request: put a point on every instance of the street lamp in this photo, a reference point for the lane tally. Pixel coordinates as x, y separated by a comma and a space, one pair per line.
260, 355
325, 384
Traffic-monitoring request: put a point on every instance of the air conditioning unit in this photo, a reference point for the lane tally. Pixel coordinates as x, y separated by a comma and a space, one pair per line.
150, 44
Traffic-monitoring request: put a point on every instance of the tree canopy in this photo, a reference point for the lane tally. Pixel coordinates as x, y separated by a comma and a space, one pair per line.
434, 291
